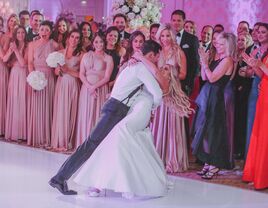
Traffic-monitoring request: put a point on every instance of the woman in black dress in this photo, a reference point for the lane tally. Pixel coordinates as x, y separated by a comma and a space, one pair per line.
114, 49
210, 133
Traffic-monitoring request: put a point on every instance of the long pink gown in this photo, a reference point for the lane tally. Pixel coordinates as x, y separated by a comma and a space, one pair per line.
65, 108
169, 131
89, 107
16, 117
4, 76
40, 103
3, 95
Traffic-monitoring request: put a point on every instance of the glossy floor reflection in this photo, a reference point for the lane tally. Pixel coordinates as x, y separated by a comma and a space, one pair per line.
25, 171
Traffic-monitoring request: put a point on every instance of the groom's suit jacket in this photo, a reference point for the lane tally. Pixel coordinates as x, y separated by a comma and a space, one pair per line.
189, 44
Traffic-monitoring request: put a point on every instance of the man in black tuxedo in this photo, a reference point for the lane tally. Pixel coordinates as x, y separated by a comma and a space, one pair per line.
35, 22
189, 44
254, 35
206, 37
120, 21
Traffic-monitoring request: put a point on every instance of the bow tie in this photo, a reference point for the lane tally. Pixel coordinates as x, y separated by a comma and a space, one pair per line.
179, 34
204, 45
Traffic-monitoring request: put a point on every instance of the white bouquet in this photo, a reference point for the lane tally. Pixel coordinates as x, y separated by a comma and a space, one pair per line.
55, 58
139, 13
37, 80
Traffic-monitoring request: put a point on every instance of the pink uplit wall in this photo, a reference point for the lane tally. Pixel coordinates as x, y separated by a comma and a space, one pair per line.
226, 12
52, 8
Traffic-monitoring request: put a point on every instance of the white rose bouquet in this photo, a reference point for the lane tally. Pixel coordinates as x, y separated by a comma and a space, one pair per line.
54, 59
140, 13
37, 80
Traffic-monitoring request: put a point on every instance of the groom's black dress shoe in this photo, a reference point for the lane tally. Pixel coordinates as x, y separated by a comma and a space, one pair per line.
62, 187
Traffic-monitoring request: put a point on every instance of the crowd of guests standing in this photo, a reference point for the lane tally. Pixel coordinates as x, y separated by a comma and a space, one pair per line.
225, 74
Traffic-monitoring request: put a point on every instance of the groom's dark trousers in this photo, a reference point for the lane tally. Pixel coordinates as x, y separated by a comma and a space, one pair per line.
112, 112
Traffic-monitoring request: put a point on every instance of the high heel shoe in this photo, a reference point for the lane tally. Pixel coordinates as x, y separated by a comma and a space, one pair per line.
204, 170
211, 173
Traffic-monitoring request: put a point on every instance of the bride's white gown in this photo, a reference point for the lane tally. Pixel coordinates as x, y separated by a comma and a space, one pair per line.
126, 160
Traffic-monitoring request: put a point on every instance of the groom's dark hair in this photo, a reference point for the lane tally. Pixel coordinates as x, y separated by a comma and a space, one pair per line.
150, 46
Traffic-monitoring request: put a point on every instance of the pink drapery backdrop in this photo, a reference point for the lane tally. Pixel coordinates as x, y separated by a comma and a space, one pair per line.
226, 12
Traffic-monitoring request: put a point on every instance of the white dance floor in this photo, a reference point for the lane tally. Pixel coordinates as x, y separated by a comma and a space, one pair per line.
25, 171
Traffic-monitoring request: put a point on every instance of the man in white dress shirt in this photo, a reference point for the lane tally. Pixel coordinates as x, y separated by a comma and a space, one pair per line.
126, 87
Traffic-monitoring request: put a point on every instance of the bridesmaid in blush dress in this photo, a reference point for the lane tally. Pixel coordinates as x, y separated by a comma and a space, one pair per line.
17, 88
40, 103
12, 22
169, 128
95, 71
3, 84
66, 95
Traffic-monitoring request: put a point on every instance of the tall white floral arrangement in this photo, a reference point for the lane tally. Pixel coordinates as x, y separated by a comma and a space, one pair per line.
140, 13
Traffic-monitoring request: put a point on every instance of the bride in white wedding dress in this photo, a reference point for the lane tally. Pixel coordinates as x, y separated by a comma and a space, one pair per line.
126, 160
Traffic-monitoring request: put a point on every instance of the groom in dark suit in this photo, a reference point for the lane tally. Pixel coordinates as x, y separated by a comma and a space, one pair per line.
189, 44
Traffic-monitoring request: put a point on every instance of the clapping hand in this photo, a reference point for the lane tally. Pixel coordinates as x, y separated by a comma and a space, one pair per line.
13, 47
251, 61
203, 56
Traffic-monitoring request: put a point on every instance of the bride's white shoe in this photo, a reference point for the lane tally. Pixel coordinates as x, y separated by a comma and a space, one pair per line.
94, 192
128, 195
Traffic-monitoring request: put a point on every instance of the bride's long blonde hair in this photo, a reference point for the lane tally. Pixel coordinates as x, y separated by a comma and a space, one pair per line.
177, 101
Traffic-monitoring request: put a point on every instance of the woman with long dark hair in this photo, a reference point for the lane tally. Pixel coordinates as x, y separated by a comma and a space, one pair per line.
61, 31
67, 94
113, 48
12, 22
16, 117
95, 72
40, 103
87, 35
136, 40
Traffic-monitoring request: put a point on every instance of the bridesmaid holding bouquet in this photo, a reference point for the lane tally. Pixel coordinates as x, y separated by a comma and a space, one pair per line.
67, 94
40, 103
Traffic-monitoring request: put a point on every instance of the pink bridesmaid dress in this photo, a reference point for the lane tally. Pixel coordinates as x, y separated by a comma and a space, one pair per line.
169, 131
16, 118
90, 107
65, 108
40, 103
4, 73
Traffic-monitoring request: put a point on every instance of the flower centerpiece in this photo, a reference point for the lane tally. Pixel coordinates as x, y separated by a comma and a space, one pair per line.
139, 12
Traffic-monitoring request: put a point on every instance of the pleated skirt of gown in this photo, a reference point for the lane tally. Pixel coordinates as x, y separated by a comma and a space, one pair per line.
16, 117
